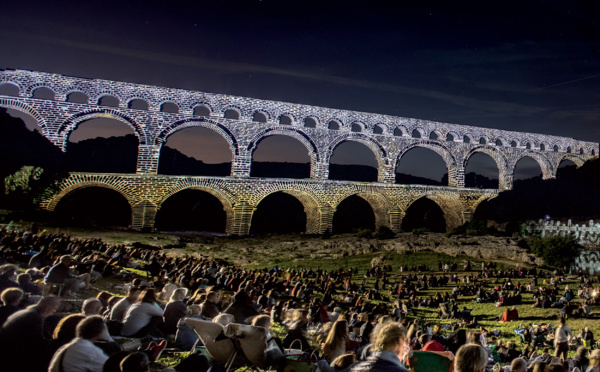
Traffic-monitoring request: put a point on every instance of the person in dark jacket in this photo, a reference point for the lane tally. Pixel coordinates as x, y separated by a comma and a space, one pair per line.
240, 308
390, 349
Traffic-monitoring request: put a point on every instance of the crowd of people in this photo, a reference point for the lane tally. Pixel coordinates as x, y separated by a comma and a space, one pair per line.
49, 321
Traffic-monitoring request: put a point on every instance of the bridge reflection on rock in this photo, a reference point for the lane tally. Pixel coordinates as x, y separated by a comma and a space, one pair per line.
244, 122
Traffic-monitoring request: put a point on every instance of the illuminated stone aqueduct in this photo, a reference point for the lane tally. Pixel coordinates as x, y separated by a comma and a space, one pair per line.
244, 122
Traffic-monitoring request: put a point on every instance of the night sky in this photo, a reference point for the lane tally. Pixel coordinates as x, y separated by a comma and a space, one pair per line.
529, 66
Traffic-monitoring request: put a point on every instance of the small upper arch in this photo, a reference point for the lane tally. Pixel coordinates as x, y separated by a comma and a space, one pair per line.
286, 119
9, 88
43, 92
108, 100
418, 133
77, 96
138, 104
202, 109
169, 107
380, 128
311, 122
261, 116
232, 112
357, 127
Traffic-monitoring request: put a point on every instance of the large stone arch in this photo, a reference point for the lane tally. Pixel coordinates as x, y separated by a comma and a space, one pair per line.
311, 206
505, 177
374, 145
72, 122
313, 150
379, 204
578, 160
548, 170
19, 87
434, 146
203, 123
75, 185
450, 206
25, 108
226, 199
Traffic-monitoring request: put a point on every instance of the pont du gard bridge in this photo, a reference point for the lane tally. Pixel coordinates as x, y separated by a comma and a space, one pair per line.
244, 122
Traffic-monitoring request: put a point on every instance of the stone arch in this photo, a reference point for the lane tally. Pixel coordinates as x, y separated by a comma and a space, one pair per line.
141, 100
25, 108
468, 138
226, 199
452, 136
575, 158
500, 142
53, 202
312, 148
169, 105
99, 97
76, 91
400, 132
504, 177
256, 114
374, 145
420, 131
379, 204
200, 105
72, 122
310, 121
19, 88
311, 206
357, 127
237, 109
42, 88
380, 128
437, 147
437, 134
450, 207
283, 118
30, 90
200, 122
548, 170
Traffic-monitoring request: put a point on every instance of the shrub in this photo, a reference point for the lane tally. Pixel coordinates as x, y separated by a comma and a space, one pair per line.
364, 234
420, 231
559, 251
384, 232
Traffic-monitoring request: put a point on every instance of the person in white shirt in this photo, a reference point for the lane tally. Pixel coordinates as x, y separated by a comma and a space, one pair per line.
81, 355
561, 340
143, 317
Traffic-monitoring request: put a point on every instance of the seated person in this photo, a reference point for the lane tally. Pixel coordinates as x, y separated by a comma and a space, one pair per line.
509, 315
143, 317
11, 297
81, 353
27, 286
59, 274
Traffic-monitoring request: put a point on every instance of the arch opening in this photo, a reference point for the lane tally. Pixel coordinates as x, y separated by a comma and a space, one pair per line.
356, 128
138, 104
421, 166
481, 172
415, 134
201, 110
280, 156
169, 107
110, 101
78, 97
43, 93
279, 213
352, 214
29, 120
353, 161
259, 117
93, 206
195, 151
192, 210
9, 89
310, 123
232, 114
424, 214
285, 120
526, 169
333, 125
566, 169
102, 145
377, 129
397, 132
